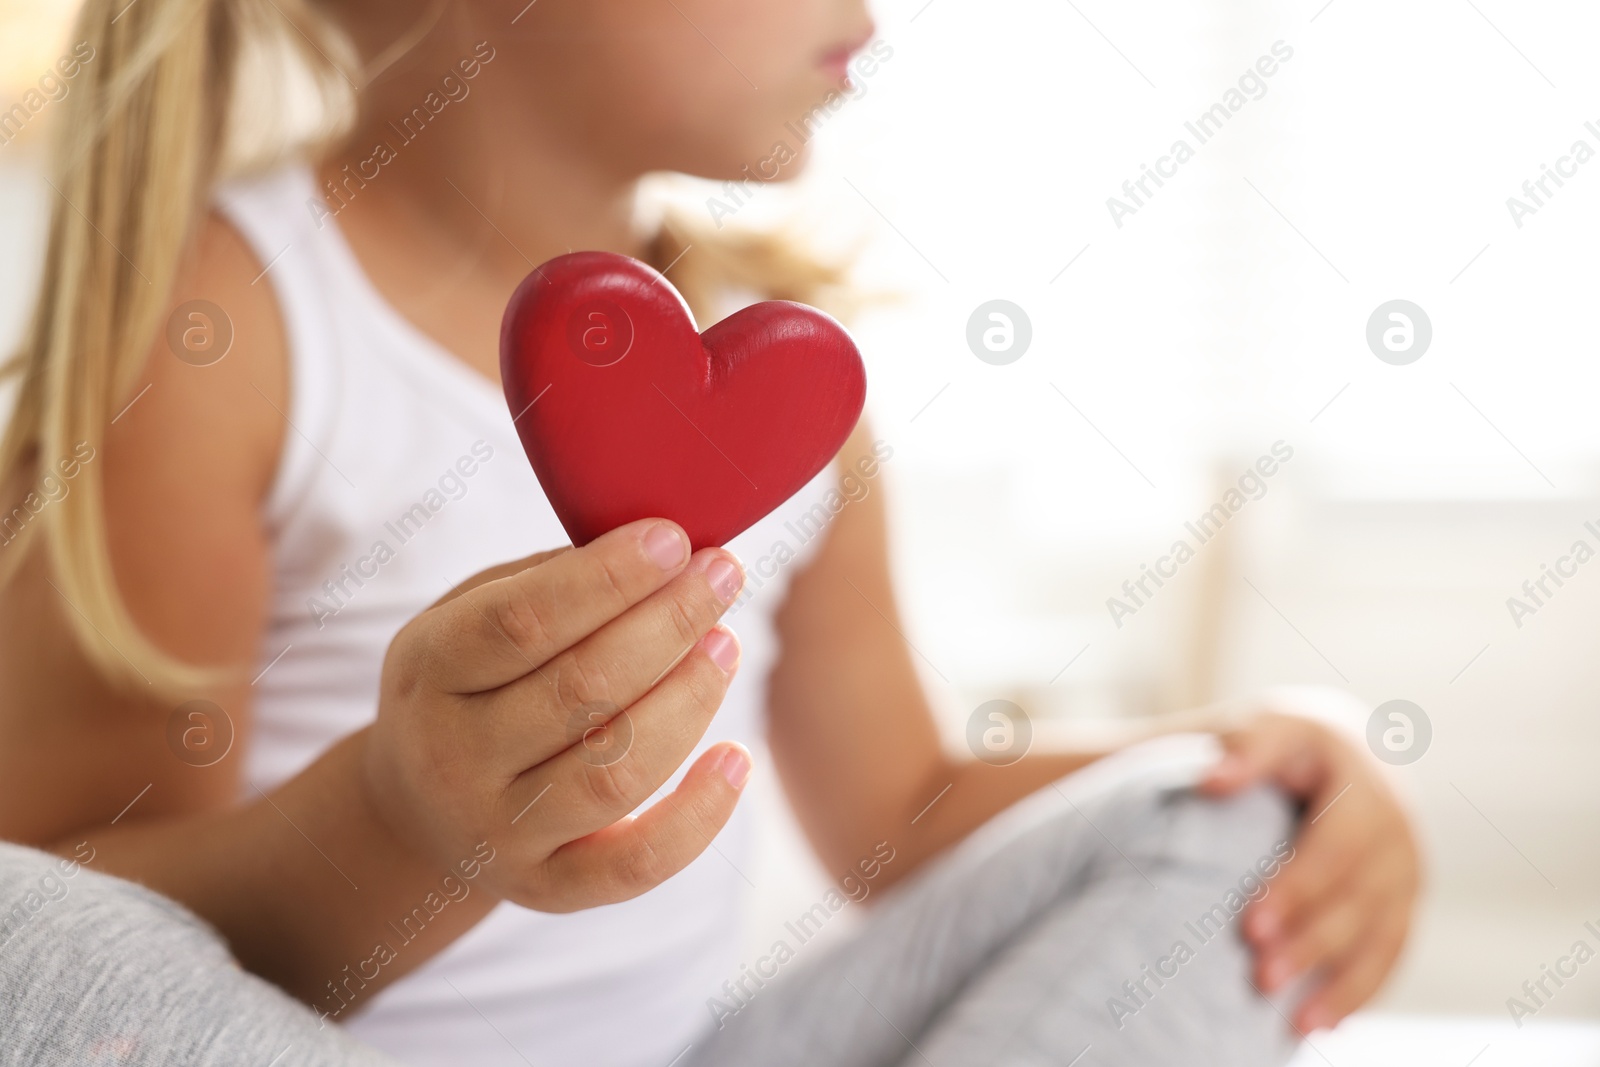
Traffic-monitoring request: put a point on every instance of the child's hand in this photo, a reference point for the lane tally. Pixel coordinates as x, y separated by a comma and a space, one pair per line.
538, 708
1344, 904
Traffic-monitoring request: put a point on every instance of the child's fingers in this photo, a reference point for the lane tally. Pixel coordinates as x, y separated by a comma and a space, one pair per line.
635, 855
532, 719
1353, 979
1270, 749
1326, 853
1350, 833
506, 628
622, 761
1329, 934
1249, 755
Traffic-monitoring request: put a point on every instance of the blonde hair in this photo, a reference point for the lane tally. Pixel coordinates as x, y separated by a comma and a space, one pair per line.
142, 138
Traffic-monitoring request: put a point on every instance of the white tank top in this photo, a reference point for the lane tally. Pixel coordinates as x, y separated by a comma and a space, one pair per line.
401, 475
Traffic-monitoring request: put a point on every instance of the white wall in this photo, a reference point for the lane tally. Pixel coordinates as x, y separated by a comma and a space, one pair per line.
1208, 327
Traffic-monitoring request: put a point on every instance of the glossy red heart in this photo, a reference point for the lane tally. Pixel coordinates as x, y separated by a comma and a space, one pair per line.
626, 412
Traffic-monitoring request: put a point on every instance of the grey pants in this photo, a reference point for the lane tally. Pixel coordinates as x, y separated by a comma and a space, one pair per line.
1100, 933
1097, 933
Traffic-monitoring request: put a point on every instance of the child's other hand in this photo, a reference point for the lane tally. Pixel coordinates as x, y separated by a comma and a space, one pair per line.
539, 706
1343, 905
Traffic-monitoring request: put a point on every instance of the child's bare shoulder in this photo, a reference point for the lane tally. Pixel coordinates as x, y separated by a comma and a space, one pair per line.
213, 392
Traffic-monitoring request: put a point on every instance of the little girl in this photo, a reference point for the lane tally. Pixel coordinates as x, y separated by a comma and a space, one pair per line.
503, 829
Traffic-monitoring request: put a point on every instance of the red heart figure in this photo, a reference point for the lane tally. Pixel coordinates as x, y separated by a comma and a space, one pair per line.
626, 412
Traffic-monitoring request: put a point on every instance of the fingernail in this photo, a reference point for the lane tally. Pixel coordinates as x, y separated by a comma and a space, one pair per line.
726, 579
665, 545
1263, 923
1275, 973
735, 767
723, 649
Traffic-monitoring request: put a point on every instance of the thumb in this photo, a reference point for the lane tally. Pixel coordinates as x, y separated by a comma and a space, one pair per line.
494, 574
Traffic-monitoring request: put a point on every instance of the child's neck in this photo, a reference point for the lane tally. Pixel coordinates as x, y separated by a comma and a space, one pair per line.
476, 191
484, 160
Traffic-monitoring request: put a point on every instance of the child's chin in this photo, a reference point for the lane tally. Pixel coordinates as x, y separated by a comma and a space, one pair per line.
781, 160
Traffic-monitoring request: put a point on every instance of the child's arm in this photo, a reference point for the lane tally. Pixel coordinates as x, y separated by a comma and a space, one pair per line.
852, 732
185, 467
474, 719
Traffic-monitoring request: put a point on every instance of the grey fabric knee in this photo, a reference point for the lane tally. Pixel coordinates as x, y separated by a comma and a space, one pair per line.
1045, 943
1143, 964
97, 970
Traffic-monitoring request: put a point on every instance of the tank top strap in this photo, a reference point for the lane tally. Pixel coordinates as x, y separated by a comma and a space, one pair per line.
270, 212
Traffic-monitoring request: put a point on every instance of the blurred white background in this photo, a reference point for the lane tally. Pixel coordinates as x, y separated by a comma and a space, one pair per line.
1227, 314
